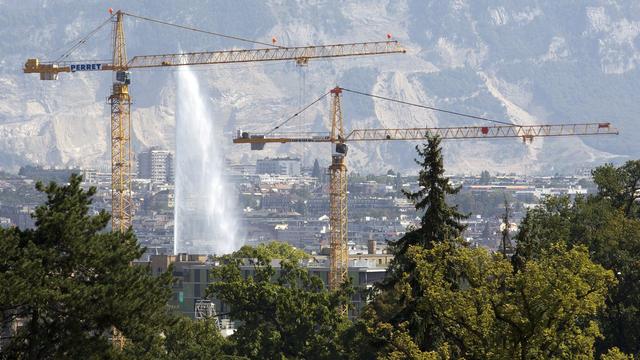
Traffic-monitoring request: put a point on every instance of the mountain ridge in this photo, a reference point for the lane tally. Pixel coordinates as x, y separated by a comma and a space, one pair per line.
524, 61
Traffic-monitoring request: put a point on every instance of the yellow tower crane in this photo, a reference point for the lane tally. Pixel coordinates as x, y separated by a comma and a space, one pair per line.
120, 100
339, 257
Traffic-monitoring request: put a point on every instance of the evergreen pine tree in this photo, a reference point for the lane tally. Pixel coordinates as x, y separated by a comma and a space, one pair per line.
485, 178
70, 283
505, 243
398, 183
316, 172
440, 224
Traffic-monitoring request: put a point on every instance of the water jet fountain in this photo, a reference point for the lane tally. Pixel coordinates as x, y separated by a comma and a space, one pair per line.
206, 211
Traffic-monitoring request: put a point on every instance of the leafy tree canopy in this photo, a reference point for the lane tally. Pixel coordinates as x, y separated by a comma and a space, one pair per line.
272, 250
283, 314
620, 185
607, 224
486, 310
194, 339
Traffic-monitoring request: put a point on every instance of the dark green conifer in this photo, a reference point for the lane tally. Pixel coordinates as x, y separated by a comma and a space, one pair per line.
440, 222
316, 172
70, 282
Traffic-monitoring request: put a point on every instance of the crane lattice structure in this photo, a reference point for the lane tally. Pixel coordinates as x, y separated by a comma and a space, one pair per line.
339, 257
205, 309
120, 99
122, 207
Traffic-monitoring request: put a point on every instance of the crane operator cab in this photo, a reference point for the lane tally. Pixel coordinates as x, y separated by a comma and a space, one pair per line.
342, 148
123, 77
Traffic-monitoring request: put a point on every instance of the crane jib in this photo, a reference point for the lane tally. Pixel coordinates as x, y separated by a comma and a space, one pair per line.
86, 67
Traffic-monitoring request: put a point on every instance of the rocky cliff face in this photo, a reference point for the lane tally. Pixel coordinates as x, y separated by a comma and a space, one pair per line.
526, 62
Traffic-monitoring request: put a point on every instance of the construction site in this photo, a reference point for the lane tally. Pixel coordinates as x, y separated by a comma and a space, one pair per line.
120, 100
289, 179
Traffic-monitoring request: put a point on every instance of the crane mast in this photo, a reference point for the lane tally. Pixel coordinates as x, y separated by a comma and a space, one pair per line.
120, 101
339, 255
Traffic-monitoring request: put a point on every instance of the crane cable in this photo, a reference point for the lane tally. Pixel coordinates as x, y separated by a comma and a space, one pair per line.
202, 31
429, 107
81, 41
392, 100
298, 113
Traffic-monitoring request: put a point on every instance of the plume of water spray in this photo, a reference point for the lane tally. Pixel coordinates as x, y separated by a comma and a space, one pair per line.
206, 211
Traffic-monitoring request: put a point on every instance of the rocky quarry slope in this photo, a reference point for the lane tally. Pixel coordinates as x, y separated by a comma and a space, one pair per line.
526, 62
